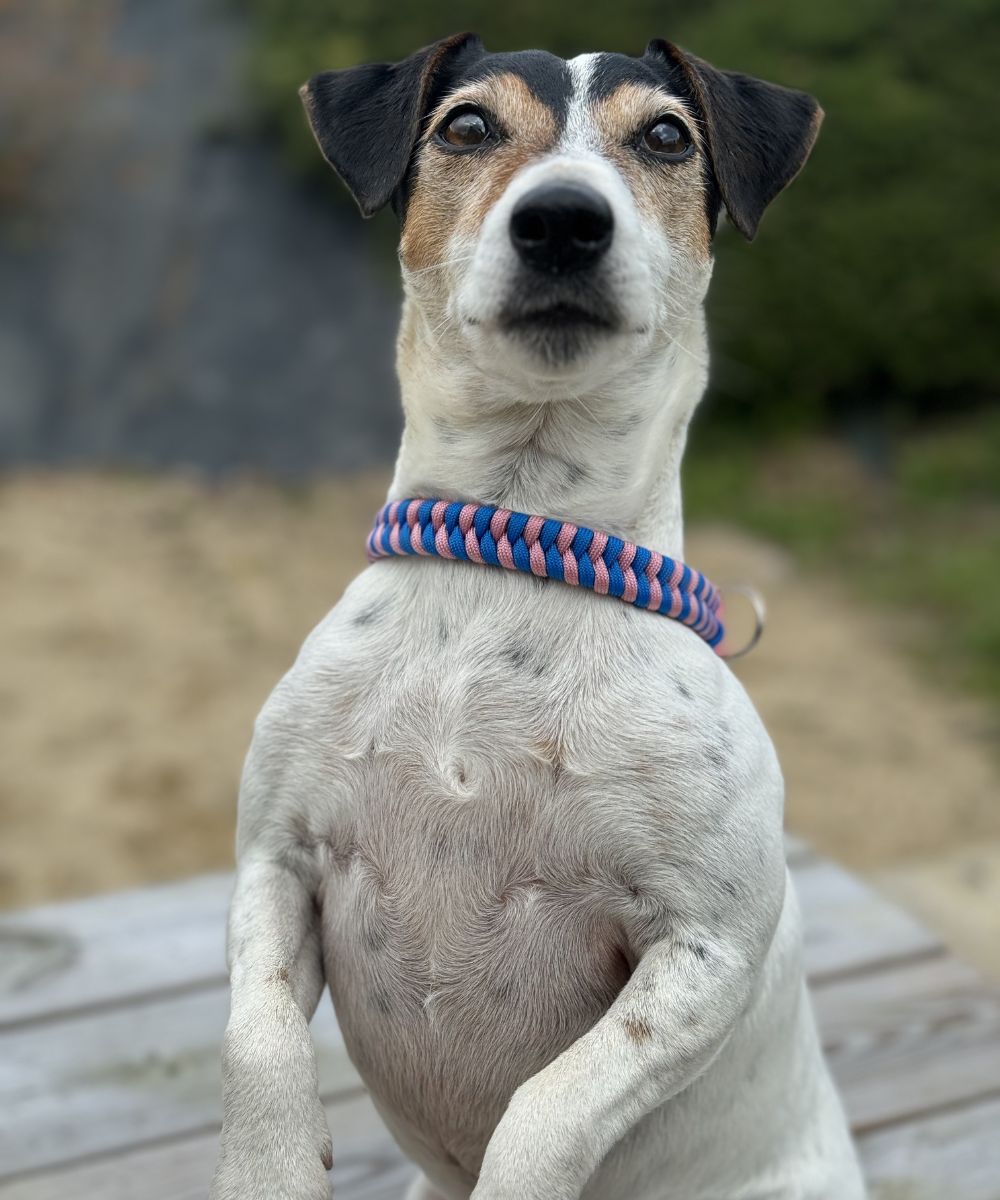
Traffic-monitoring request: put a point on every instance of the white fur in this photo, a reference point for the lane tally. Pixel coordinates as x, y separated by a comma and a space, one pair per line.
531, 837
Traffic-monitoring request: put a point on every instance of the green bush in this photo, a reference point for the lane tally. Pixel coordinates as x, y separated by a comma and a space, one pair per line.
922, 536
872, 293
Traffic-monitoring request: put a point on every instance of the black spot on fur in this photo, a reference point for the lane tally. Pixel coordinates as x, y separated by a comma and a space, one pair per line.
642, 985
370, 615
442, 631
683, 690
379, 1001
576, 474
301, 834
447, 433
699, 950
518, 654
628, 424
503, 993
729, 888
373, 936
715, 758
522, 658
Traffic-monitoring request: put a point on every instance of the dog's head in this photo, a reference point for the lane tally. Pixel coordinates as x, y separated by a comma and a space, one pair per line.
558, 215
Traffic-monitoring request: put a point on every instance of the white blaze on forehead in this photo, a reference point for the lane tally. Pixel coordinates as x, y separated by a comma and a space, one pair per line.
579, 133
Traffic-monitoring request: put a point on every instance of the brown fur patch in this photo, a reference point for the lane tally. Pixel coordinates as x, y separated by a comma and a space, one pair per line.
454, 192
637, 1029
673, 194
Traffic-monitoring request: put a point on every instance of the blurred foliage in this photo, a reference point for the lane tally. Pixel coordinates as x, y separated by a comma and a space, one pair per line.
872, 294
922, 535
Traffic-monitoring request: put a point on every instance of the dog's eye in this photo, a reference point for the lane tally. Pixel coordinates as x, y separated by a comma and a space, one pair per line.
668, 138
464, 130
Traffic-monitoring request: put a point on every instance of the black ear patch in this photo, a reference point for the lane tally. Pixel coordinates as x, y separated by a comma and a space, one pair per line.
759, 134
367, 119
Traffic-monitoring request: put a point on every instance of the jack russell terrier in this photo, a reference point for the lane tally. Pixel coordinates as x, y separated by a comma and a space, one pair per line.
532, 838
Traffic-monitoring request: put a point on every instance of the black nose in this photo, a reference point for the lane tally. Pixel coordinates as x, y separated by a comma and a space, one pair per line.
561, 227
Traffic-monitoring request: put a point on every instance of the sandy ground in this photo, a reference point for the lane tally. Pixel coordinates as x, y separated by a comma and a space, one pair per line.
142, 622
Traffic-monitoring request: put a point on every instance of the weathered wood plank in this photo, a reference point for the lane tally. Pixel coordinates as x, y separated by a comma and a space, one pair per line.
67, 957
954, 1154
850, 928
369, 1166
109, 1080
111, 950
908, 1041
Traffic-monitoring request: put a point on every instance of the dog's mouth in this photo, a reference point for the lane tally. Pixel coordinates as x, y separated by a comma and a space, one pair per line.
558, 329
558, 316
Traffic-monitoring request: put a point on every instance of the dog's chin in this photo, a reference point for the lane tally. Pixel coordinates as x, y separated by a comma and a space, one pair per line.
558, 337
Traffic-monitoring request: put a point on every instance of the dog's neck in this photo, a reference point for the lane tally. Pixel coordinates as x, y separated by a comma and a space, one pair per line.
606, 455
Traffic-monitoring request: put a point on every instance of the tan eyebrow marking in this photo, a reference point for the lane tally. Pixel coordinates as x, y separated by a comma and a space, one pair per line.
455, 192
620, 115
508, 98
673, 196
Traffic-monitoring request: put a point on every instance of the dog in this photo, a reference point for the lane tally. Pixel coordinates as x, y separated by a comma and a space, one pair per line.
530, 838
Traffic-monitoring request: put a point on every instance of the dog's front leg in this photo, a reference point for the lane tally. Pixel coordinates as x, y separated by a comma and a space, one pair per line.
275, 1139
662, 1031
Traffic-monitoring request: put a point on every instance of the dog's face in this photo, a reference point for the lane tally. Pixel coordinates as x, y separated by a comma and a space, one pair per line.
567, 202
557, 216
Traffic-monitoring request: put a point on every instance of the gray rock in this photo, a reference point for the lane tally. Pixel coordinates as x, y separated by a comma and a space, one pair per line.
179, 298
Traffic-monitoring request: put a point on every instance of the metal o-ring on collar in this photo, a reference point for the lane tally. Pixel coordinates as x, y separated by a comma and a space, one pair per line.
759, 609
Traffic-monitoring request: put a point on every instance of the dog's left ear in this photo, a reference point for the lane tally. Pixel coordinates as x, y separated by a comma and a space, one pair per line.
759, 134
366, 120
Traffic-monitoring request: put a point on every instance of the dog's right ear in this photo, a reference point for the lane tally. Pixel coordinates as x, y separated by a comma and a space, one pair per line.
366, 120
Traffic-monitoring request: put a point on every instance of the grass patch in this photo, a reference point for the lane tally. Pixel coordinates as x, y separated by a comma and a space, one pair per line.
920, 534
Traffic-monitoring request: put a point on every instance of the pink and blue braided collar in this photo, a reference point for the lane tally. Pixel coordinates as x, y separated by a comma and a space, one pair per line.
551, 549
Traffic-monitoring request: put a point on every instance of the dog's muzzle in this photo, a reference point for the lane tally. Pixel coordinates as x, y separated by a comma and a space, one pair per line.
561, 228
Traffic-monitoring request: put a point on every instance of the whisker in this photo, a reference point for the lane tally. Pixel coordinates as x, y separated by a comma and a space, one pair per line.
441, 266
590, 413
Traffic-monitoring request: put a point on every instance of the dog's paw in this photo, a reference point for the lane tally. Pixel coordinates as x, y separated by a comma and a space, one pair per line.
533, 1156
271, 1171
249, 1183
261, 1158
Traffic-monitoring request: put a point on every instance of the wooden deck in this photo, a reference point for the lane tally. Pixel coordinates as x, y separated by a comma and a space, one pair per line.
112, 1010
